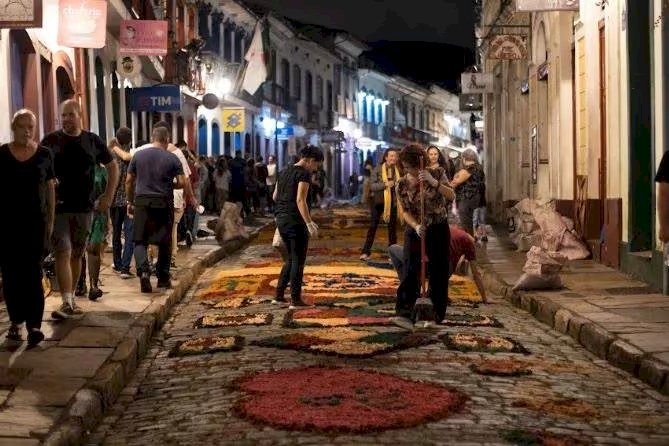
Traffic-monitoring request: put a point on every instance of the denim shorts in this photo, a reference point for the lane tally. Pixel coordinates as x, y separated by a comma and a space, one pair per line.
70, 232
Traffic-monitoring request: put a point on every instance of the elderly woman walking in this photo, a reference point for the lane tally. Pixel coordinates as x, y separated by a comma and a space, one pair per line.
434, 227
468, 184
27, 191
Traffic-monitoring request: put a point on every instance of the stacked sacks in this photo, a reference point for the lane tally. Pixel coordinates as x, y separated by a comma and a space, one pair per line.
542, 270
230, 224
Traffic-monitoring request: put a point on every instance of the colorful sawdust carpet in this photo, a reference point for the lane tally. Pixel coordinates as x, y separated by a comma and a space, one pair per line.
342, 400
567, 407
469, 342
522, 437
207, 344
470, 320
213, 320
500, 367
237, 302
346, 342
337, 317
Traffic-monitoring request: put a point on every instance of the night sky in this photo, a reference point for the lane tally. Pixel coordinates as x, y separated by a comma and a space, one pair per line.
398, 31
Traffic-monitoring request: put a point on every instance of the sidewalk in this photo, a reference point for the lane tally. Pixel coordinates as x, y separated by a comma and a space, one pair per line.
57, 391
612, 315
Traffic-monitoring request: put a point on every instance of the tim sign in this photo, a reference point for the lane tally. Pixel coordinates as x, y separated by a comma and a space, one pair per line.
547, 5
161, 99
82, 23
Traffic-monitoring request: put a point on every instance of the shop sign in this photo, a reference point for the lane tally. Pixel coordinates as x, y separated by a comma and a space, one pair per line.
82, 23
233, 119
143, 37
477, 82
21, 14
508, 47
547, 5
285, 132
159, 99
130, 66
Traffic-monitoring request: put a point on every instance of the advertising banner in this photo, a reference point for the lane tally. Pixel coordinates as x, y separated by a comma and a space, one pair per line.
143, 37
477, 83
547, 5
82, 23
233, 120
21, 14
163, 98
508, 47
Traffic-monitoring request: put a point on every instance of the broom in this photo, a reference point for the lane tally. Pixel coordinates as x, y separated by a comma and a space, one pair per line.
423, 311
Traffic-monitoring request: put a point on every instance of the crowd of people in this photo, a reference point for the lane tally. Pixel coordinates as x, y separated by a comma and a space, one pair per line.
73, 189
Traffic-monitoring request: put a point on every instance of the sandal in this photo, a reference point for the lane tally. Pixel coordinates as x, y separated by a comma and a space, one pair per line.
14, 333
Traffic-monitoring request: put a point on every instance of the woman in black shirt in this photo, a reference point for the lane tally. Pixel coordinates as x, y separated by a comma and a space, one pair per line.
294, 222
27, 189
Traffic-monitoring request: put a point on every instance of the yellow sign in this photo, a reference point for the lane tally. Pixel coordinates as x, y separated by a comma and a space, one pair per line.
233, 120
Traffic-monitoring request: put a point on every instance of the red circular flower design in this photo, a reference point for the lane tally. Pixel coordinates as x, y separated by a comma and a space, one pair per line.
342, 400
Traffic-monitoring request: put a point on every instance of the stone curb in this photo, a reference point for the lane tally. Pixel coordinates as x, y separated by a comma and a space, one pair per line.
593, 337
100, 392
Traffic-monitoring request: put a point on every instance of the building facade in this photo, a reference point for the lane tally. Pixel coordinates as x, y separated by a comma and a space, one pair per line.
583, 118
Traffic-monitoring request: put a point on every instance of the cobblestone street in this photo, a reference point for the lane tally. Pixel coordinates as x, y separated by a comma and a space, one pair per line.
570, 394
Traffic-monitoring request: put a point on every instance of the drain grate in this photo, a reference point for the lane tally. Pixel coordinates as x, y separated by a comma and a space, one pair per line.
629, 291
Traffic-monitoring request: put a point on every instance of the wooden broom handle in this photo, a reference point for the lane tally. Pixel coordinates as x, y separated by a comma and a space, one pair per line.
423, 256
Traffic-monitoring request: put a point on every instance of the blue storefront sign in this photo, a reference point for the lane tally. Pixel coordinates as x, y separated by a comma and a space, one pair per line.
159, 99
284, 133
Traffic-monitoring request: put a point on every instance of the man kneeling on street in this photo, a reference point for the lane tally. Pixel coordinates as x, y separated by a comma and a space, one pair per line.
462, 253
149, 187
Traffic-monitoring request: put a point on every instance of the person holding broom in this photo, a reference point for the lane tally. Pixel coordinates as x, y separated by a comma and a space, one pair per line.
425, 212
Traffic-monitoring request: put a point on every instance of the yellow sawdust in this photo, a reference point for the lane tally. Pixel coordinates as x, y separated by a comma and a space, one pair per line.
339, 334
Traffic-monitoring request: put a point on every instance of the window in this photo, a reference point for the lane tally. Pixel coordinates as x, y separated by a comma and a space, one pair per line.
309, 89
337, 79
273, 67
319, 92
413, 115
297, 82
328, 100
422, 119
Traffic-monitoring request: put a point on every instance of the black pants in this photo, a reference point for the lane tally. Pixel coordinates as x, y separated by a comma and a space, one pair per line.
21, 267
270, 200
296, 239
154, 217
377, 214
437, 242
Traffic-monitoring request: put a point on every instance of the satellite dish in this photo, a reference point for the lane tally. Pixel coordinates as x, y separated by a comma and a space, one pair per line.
129, 66
210, 101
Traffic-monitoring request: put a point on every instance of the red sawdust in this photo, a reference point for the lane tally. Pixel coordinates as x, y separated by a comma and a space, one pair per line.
342, 400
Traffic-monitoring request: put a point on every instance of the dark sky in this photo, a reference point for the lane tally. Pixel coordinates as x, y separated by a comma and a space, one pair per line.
442, 21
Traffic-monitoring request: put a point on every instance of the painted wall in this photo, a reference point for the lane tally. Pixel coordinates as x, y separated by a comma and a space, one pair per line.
659, 79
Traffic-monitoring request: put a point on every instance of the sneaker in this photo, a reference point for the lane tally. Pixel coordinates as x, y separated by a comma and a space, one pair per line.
279, 300
484, 239
364, 257
117, 270
94, 294
402, 322
164, 283
76, 309
145, 284
81, 290
189, 239
297, 304
125, 275
424, 325
34, 338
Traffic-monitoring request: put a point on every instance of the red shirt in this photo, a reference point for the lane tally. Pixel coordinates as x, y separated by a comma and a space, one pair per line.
462, 244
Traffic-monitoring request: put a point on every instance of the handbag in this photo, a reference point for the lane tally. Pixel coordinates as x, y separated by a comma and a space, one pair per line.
277, 241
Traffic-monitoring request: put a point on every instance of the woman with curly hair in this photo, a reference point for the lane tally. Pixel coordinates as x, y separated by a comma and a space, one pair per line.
434, 227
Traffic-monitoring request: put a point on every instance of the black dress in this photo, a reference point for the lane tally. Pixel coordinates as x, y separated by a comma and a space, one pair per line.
23, 198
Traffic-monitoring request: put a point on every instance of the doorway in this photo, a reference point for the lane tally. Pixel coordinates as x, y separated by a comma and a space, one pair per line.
215, 140
202, 137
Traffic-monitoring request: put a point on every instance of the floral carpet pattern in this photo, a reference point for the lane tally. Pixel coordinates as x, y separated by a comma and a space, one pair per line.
469, 342
564, 407
346, 342
214, 320
470, 320
333, 400
207, 344
338, 317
